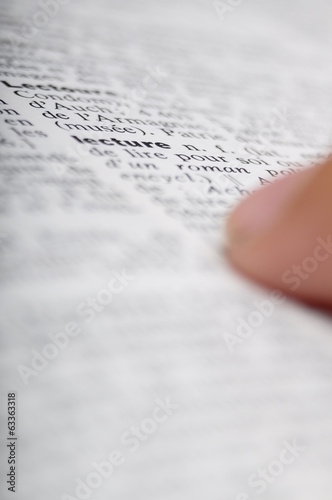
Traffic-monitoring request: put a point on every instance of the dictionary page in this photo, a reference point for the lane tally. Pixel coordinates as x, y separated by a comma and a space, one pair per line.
135, 363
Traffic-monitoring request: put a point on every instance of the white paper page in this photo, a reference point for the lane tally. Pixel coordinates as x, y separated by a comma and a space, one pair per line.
143, 366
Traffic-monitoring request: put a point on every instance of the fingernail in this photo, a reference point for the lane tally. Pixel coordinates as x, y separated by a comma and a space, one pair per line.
261, 210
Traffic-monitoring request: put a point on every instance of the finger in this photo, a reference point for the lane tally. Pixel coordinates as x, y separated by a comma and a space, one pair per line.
281, 235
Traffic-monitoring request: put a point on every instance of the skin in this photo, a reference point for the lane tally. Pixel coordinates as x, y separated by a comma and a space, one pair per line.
273, 235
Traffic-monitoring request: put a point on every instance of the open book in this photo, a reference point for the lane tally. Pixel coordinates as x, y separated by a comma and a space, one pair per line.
137, 365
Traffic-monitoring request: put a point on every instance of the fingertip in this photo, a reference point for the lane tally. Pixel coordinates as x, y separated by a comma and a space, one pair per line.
280, 236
